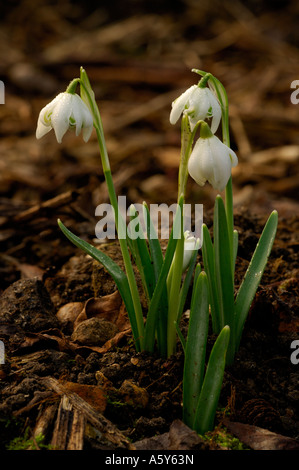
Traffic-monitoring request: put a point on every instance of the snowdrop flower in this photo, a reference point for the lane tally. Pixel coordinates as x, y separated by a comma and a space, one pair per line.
66, 111
190, 244
199, 104
211, 160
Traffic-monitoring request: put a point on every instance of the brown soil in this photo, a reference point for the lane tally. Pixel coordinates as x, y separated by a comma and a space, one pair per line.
47, 285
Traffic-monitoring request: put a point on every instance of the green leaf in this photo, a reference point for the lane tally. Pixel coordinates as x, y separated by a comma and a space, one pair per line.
152, 316
235, 247
224, 273
154, 244
211, 388
157, 263
209, 266
195, 351
186, 284
113, 269
254, 273
143, 260
180, 335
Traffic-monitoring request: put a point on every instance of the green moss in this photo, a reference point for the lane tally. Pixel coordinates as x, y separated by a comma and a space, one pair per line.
27, 443
224, 439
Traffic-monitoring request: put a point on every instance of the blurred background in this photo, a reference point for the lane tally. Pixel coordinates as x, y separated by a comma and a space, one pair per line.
139, 56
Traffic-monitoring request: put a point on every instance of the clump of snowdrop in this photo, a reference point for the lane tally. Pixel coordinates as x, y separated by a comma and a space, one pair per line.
166, 277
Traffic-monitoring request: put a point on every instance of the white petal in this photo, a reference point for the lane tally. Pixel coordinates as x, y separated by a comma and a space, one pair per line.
195, 166
199, 100
233, 157
61, 115
216, 111
44, 119
77, 113
179, 104
222, 164
87, 125
206, 159
41, 129
46, 112
86, 132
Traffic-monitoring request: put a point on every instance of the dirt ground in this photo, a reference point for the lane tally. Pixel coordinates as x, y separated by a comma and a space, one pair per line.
81, 394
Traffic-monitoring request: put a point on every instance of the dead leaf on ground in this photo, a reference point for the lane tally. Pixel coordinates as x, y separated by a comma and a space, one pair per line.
259, 438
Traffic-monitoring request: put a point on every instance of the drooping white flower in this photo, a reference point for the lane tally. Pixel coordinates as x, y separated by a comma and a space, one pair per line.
190, 244
211, 160
199, 104
66, 111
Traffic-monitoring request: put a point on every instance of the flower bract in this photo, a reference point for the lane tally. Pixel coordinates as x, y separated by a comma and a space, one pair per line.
199, 104
66, 111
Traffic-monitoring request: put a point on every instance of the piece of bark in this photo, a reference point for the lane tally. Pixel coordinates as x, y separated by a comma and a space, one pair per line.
69, 428
45, 421
111, 437
260, 439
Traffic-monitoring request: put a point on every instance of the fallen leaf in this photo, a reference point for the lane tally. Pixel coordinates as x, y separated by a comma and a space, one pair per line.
92, 394
106, 307
259, 438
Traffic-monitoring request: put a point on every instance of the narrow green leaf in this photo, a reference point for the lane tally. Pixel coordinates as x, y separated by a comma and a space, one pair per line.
113, 269
209, 266
154, 244
160, 289
235, 247
157, 263
254, 273
180, 335
195, 351
143, 260
186, 284
211, 388
224, 273
174, 282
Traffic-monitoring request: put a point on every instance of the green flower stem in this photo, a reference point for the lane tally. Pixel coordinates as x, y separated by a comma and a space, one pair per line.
185, 153
222, 96
174, 293
88, 96
121, 229
175, 274
73, 86
204, 80
187, 138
